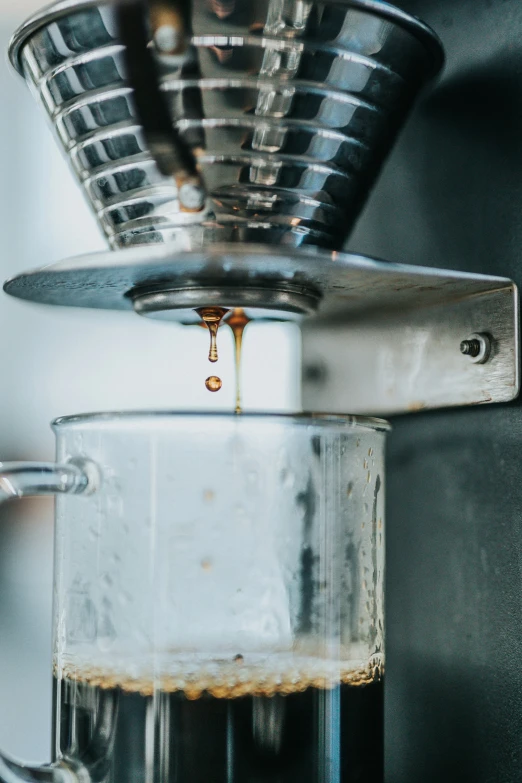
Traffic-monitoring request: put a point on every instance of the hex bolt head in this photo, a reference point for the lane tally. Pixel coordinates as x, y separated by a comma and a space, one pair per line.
477, 347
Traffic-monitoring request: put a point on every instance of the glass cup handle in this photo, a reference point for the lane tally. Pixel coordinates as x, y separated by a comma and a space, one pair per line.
20, 479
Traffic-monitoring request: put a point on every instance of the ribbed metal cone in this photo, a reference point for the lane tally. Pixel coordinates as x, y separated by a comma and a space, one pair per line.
290, 105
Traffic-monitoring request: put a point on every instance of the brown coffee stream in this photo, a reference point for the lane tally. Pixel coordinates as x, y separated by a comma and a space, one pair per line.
213, 318
237, 322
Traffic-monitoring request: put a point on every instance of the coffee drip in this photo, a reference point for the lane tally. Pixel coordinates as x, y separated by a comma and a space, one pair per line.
213, 383
236, 319
237, 322
212, 317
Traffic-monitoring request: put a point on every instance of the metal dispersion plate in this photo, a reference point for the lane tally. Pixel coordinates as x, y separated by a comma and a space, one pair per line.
165, 282
378, 337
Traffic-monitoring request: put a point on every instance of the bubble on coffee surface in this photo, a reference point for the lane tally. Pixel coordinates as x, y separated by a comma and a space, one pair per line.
230, 677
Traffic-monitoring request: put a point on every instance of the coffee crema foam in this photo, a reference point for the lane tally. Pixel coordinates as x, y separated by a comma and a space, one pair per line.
230, 679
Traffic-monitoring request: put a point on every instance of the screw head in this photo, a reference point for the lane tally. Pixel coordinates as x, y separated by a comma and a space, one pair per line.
478, 347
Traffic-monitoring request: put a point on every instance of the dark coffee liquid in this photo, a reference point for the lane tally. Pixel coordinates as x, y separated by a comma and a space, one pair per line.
317, 735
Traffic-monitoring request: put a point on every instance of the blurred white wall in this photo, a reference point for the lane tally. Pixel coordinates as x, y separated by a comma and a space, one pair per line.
59, 361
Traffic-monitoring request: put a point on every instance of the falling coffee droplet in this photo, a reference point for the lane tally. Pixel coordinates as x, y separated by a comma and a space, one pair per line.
237, 322
212, 317
213, 383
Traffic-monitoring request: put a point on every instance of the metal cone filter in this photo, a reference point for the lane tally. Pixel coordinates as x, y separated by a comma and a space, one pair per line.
292, 105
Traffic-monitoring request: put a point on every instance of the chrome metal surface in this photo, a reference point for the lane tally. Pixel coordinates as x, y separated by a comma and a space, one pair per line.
273, 303
137, 22
379, 338
344, 285
290, 107
408, 360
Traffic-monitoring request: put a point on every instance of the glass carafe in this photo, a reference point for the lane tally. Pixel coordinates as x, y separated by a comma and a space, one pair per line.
218, 598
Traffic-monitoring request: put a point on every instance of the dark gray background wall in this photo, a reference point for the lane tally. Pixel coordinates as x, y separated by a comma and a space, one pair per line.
451, 196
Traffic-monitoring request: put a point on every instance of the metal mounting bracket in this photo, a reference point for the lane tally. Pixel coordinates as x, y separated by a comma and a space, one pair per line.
378, 337
403, 353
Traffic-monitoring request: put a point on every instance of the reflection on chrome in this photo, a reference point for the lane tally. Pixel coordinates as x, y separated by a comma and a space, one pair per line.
290, 107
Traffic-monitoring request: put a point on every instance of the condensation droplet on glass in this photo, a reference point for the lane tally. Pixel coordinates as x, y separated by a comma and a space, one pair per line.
141, 636
369, 477
206, 564
365, 464
366, 508
115, 504
358, 443
370, 451
349, 489
105, 643
252, 477
107, 581
287, 478
241, 513
123, 597
209, 495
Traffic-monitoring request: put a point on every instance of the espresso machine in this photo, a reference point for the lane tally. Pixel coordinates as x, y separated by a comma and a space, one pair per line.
227, 150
